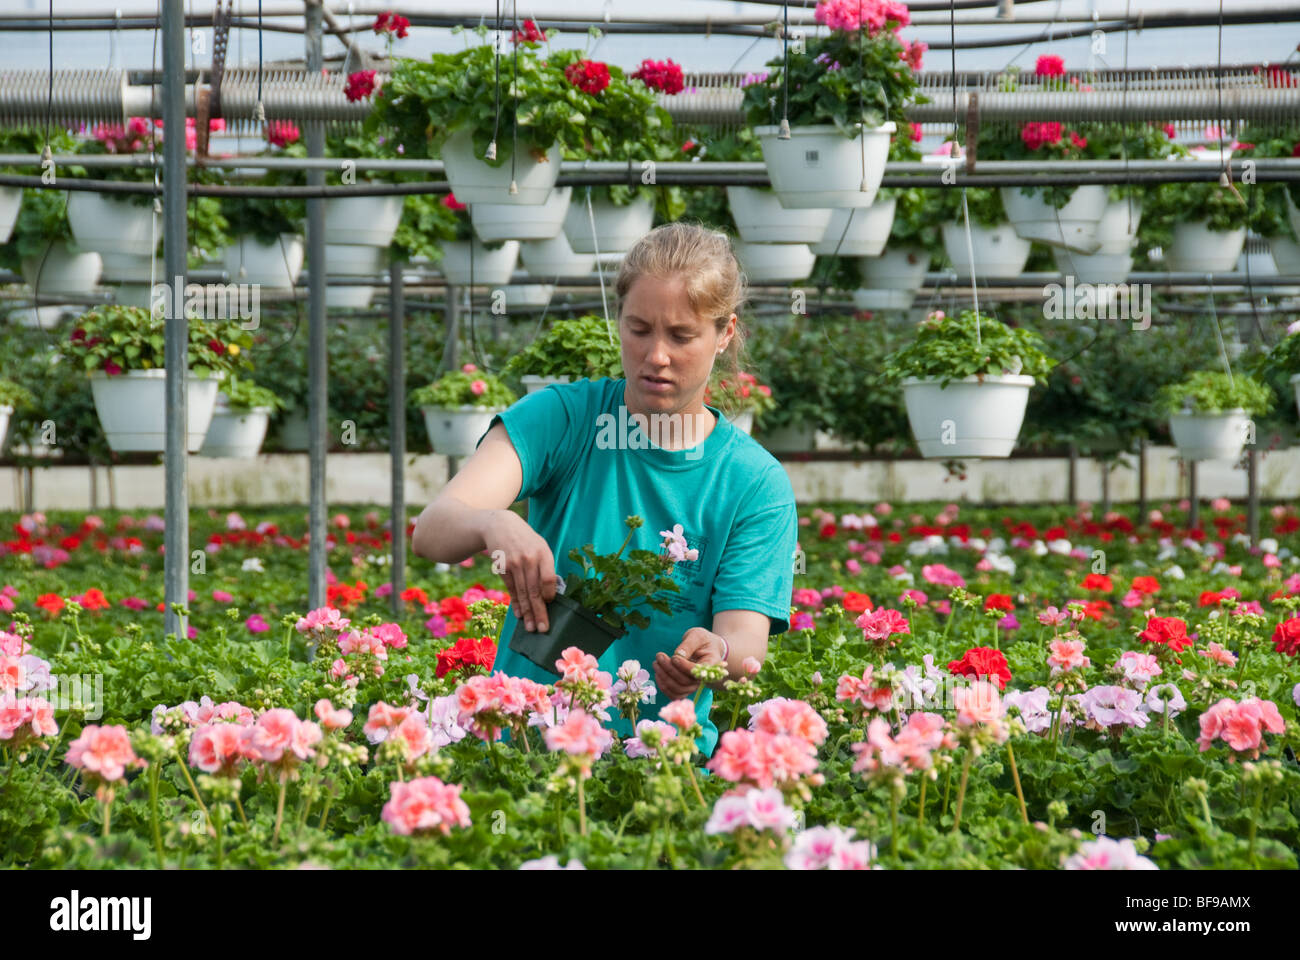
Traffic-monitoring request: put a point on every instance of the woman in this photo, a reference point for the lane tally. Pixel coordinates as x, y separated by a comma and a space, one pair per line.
679, 290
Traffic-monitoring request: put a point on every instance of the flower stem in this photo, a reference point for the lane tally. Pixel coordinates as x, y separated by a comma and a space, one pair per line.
240, 807
1015, 778
734, 714
325, 811
193, 789
961, 791
893, 823
153, 812
49, 756
582, 809
279, 808
947, 782
690, 770
920, 806
216, 825
1254, 817
108, 812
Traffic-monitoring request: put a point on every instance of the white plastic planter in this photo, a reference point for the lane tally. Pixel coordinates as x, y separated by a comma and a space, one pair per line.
796, 438
1117, 229
5, 413
744, 422
1095, 268
1198, 249
454, 431
513, 221
490, 267
891, 280
775, 262
867, 233
617, 228
473, 180
532, 383
760, 218
132, 409
362, 221
820, 167
236, 432
353, 260
11, 201
1073, 226
998, 251
295, 432
107, 225
528, 294
1286, 256
1295, 385
972, 417
60, 271
47, 317
130, 268
548, 259
1209, 436
1292, 212
273, 266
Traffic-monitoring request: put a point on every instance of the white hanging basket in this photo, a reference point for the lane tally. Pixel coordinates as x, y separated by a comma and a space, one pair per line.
236, 432
5, 413
1295, 385
60, 271
492, 268
972, 417
474, 181
455, 431
533, 383
513, 221
820, 167
1292, 212
362, 221
295, 431
867, 233
548, 259
1073, 226
528, 294
744, 422
1210, 436
1117, 229
617, 228
891, 280
796, 438
998, 251
11, 201
132, 409
760, 218
1198, 249
44, 317
353, 260
1286, 256
107, 225
1094, 268
273, 266
775, 262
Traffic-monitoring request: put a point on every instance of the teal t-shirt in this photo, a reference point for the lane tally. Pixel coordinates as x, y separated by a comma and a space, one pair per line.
732, 498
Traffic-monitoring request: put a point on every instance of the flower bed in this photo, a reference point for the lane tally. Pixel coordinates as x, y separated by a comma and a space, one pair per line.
960, 688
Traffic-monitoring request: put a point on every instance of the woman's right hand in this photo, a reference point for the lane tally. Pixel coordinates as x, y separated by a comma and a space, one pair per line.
529, 566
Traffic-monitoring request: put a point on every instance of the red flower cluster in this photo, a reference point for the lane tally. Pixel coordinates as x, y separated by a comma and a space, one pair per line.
1146, 584
1286, 637
393, 23
856, 602
345, 596
1036, 135
1167, 631
1049, 65
414, 595
451, 203
360, 85
1097, 581
467, 653
589, 76
531, 33
281, 133
983, 662
999, 601
662, 75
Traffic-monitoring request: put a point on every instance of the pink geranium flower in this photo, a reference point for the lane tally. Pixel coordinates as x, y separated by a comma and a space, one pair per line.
104, 753
424, 805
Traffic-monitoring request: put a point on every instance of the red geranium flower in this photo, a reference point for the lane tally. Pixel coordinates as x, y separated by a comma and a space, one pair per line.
589, 76
51, 603
451, 203
999, 601
531, 33
1146, 584
1049, 65
1097, 581
664, 76
360, 85
827, 531
281, 133
216, 346
982, 662
857, 602
1210, 599
1168, 631
111, 368
415, 595
389, 22
1078, 141
466, 653
1035, 135
1286, 637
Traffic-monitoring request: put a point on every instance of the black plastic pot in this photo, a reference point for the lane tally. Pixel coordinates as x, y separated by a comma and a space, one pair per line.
572, 625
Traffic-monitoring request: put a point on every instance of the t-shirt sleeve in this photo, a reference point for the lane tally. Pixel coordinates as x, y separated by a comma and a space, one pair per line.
542, 427
757, 567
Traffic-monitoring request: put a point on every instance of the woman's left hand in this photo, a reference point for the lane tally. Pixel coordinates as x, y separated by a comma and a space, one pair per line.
673, 674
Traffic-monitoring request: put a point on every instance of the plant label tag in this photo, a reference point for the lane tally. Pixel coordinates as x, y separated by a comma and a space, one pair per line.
812, 158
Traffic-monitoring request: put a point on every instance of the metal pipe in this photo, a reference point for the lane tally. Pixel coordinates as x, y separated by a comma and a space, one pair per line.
176, 535
397, 431
317, 360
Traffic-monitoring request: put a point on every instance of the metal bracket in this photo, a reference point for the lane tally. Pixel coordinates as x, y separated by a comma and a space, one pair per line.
972, 129
220, 40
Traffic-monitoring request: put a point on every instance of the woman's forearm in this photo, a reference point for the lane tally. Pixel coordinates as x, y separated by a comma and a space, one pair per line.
449, 530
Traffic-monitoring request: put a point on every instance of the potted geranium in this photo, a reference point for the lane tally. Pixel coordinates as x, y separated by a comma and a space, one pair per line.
595, 605
824, 116
569, 350
1282, 363
11, 397
741, 398
459, 406
466, 260
1277, 217
119, 228
966, 381
239, 419
122, 349
1210, 413
267, 247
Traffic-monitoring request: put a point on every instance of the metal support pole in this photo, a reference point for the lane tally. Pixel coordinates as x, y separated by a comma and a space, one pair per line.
451, 346
1252, 495
176, 535
1072, 488
1142, 480
1194, 517
1105, 487
397, 429
317, 363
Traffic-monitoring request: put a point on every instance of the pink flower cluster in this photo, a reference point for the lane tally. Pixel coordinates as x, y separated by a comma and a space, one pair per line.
854, 15
199, 714
1138, 669
23, 719
882, 624
942, 576
280, 739
829, 848
980, 705
322, 622
779, 750
1066, 655
1107, 854
759, 809
1240, 725
103, 753
867, 691
405, 726
910, 750
580, 736
424, 805
488, 704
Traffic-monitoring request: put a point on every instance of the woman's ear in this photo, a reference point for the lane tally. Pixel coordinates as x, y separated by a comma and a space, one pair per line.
727, 335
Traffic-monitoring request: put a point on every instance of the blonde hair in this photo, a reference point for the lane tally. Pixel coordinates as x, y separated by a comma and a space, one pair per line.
703, 258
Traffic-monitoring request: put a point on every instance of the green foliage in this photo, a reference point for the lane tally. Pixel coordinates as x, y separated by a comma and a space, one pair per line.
266, 218
244, 394
950, 348
426, 224
585, 347
13, 395
613, 587
737, 394
1209, 391
131, 338
456, 389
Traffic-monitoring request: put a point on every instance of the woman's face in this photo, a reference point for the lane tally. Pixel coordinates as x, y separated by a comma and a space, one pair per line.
668, 350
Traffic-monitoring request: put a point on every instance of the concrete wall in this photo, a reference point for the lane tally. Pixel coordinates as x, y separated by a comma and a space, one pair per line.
364, 478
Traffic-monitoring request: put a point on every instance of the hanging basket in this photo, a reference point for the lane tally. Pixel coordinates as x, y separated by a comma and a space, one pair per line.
1095, 268
1073, 226
1210, 436
972, 417
1295, 385
617, 228
513, 221
273, 266
1286, 256
1117, 229
455, 431
132, 409
528, 295
5, 413
235, 432
866, 234
492, 268
106, 225
11, 201
998, 251
1198, 249
571, 625
533, 383
760, 218
891, 280
820, 167
60, 271
796, 438
775, 262
744, 422
548, 259
362, 221
353, 260
473, 180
